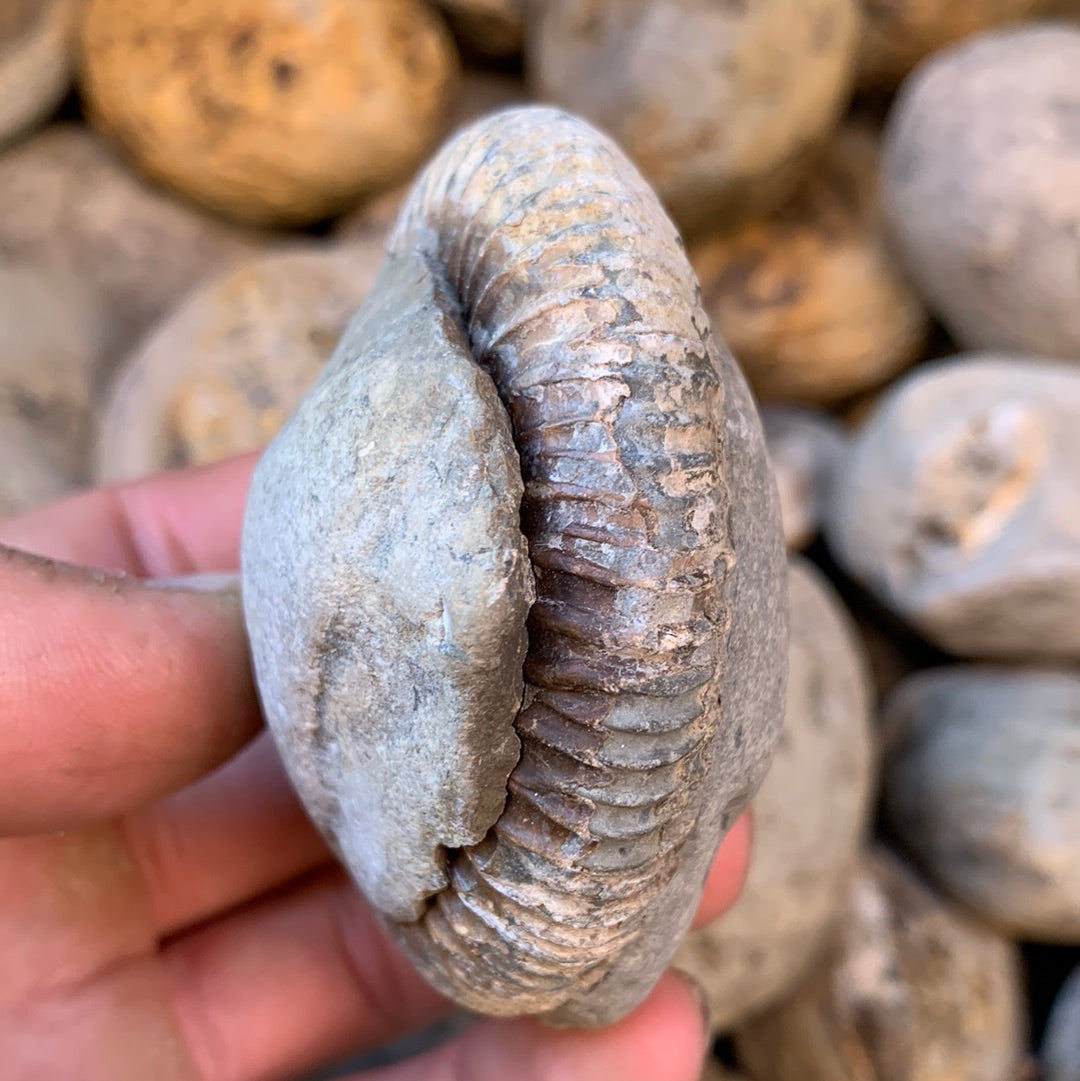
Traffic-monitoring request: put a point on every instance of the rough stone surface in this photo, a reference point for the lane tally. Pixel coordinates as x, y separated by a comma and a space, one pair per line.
809, 299
810, 817
654, 680
410, 583
492, 27
220, 375
806, 447
958, 506
914, 991
37, 40
1060, 1057
51, 340
282, 112
719, 105
896, 35
65, 199
982, 786
981, 186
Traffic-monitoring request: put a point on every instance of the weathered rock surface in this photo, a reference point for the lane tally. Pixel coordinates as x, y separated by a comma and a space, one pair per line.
981, 185
915, 991
982, 786
810, 817
958, 507
220, 375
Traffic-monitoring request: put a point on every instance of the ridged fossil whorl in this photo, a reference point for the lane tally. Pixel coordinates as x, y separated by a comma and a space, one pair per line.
534, 818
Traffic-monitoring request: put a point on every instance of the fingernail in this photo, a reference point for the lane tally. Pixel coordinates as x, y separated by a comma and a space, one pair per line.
200, 583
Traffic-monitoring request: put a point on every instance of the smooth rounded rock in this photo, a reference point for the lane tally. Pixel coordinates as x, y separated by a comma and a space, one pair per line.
719, 105
914, 991
221, 374
810, 299
65, 199
52, 335
957, 506
981, 187
283, 112
982, 786
806, 447
811, 817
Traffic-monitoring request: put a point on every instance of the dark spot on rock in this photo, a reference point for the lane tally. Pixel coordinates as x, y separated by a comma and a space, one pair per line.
283, 73
217, 111
242, 43
27, 406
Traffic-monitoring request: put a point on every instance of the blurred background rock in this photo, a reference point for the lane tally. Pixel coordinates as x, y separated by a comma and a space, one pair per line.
882, 202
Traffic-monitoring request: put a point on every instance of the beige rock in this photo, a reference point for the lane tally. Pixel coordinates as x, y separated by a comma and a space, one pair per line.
982, 786
810, 300
37, 39
806, 447
1061, 1045
957, 506
719, 104
65, 199
51, 340
915, 992
543, 861
810, 817
898, 34
220, 375
283, 112
981, 187
492, 27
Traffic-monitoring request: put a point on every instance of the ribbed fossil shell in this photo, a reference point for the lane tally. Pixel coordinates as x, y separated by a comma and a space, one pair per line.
543, 854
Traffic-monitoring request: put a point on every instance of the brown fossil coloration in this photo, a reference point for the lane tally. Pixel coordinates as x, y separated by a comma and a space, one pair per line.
546, 857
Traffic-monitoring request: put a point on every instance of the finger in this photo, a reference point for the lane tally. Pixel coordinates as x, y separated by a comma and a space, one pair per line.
728, 872
222, 842
293, 982
664, 1039
112, 692
168, 524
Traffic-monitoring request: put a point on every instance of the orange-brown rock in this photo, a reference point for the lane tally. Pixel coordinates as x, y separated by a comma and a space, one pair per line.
282, 112
809, 299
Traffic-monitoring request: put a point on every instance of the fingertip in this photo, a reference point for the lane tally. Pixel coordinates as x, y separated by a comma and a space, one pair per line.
664, 1039
728, 872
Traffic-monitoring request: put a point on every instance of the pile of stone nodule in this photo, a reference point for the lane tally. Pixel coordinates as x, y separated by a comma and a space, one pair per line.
882, 203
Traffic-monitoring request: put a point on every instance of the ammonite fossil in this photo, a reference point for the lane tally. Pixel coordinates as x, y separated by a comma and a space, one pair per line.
514, 580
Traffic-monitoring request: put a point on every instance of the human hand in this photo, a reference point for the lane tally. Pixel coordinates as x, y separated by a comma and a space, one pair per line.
167, 912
